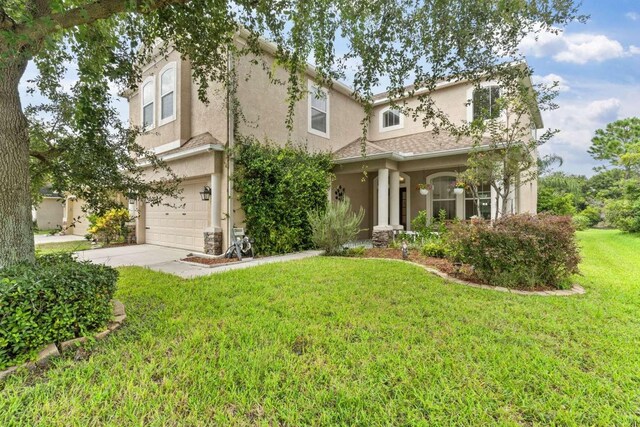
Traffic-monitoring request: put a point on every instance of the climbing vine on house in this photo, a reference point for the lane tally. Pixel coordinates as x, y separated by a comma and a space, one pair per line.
278, 187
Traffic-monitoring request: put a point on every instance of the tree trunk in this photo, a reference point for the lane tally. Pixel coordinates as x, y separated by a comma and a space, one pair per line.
16, 235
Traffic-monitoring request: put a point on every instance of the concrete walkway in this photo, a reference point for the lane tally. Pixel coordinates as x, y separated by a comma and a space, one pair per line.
160, 258
46, 238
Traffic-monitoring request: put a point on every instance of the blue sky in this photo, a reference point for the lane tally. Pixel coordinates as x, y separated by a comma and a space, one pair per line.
597, 65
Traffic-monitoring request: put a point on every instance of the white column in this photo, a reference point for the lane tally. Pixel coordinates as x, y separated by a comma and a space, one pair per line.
394, 199
383, 198
215, 202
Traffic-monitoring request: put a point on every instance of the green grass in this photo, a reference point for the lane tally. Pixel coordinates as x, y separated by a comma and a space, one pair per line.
331, 341
44, 232
74, 246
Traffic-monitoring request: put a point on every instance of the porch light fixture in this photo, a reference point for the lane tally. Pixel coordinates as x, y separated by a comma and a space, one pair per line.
205, 194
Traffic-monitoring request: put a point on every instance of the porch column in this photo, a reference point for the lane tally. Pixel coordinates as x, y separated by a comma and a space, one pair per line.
394, 199
215, 201
383, 232
383, 197
213, 234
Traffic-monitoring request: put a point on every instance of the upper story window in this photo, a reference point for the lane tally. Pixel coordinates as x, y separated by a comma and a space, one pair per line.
147, 104
167, 93
485, 103
391, 119
318, 111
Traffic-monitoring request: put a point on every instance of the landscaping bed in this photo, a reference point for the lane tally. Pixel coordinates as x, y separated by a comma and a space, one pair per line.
465, 272
211, 261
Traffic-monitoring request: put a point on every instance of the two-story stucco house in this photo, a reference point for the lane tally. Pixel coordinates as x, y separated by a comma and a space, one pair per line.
400, 153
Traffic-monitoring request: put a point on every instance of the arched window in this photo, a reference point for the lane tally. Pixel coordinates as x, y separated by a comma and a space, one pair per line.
167, 94
147, 105
485, 103
390, 119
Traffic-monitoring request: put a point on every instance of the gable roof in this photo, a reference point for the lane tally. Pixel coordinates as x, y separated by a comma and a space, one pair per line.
423, 144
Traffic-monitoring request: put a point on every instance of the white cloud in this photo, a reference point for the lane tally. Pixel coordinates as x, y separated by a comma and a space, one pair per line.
634, 16
577, 48
550, 79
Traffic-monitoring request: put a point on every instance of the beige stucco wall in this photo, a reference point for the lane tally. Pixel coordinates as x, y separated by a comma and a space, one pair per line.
264, 107
178, 129
450, 99
49, 213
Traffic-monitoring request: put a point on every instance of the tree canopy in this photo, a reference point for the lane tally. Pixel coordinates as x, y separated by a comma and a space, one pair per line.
619, 144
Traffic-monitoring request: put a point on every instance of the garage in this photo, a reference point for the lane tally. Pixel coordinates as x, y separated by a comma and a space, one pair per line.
180, 227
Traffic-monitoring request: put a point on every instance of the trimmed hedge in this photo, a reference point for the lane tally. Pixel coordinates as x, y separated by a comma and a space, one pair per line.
519, 251
53, 300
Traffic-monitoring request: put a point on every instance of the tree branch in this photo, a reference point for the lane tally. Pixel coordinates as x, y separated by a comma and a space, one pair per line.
28, 34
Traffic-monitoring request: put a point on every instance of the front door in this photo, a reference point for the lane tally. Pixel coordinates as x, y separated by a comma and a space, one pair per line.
403, 207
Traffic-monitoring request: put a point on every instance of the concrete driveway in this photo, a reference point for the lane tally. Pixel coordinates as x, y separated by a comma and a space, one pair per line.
140, 255
160, 258
47, 238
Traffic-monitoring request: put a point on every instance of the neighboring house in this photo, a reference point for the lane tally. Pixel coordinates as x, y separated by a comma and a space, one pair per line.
191, 137
48, 215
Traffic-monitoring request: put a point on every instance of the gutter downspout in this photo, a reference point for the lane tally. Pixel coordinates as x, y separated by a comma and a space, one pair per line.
230, 146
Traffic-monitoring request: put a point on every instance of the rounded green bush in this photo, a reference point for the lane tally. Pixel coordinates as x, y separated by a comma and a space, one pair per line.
434, 248
581, 222
53, 300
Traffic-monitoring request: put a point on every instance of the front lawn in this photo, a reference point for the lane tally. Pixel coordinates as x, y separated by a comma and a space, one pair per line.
74, 246
329, 341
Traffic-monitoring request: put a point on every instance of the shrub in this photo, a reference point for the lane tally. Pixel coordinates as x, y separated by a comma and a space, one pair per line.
435, 248
519, 250
357, 251
110, 227
278, 187
581, 222
53, 300
553, 203
592, 214
623, 214
336, 226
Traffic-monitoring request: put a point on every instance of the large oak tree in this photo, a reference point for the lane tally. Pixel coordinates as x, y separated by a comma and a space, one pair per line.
389, 43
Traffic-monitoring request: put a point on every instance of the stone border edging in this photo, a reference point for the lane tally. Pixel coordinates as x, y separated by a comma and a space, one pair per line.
53, 350
575, 289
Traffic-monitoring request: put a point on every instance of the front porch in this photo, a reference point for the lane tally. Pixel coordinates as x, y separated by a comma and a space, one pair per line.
385, 184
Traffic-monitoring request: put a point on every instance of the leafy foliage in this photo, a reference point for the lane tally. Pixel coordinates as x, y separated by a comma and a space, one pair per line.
334, 227
111, 226
554, 203
278, 187
519, 250
619, 144
624, 214
511, 158
435, 248
55, 300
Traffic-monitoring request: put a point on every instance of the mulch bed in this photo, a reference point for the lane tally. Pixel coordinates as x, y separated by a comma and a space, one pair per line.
444, 265
210, 261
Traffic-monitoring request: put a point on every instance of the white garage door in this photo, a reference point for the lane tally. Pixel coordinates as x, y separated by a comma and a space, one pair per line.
181, 227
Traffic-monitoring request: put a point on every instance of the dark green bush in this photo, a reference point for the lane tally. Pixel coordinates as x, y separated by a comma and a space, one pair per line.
278, 188
522, 251
54, 300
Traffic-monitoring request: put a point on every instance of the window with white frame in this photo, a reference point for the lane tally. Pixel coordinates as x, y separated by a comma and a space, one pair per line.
390, 119
167, 94
318, 111
480, 205
443, 196
148, 104
485, 105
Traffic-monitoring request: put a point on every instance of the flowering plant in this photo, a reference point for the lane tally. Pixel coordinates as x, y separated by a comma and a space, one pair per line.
425, 187
458, 184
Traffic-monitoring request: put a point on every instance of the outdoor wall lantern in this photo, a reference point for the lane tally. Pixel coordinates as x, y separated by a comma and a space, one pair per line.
205, 194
